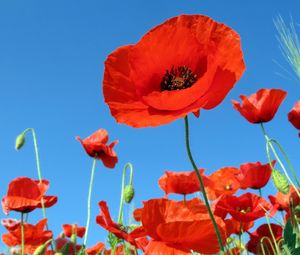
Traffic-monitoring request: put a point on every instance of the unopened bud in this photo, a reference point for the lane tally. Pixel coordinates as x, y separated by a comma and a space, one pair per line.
40, 250
280, 181
297, 209
20, 140
73, 238
128, 194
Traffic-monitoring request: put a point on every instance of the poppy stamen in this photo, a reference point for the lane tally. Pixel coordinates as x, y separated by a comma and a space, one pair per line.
178, 78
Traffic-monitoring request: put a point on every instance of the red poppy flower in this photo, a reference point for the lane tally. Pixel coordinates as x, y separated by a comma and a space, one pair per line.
25, 195
294, 116
181, 182
105, 221
283, 202
254, 175
262, 235
96, 249
73, 229
177, 227
34, 235
261, 106
222, 181
96, 146
187, 63
245, 208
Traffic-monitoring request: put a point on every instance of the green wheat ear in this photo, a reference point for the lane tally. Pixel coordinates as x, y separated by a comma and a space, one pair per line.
289, 43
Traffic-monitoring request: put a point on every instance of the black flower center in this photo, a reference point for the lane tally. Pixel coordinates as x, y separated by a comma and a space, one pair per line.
178, 78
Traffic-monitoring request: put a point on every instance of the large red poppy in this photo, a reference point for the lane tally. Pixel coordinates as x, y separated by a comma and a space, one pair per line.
254, 175
245, 208
187, 63
34, 235
294, 116
25, 195
177, 227
221, 182
181, 182
260, 106
96, 146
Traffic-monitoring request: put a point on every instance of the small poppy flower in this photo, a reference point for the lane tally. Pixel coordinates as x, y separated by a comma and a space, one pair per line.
263, 236
261, 106
181, 182
179, 227
25, 195
187, 63
69, 230
96, 249
294, 116
254, 175
96, 146
62, 243
236, 227
105, 221
34, 235
222, 181
245, 208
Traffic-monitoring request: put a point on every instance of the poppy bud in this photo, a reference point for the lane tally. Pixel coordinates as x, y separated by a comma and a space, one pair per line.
128, 193
297, 209
40, 250
280, 181
20, 140
73, 238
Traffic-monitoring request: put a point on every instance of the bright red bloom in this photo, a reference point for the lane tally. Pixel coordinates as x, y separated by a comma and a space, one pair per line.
181, 182
25, 195
294, 116
187, 63
263, 235
73, 229
245, 208
61, 242
177, 227
222, 181
261, 106
96, 249
254, 175
96, 146
34, 235
105, 221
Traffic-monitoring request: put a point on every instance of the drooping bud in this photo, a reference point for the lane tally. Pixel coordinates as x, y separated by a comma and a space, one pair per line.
42, 248
280, 182
20, 141
128, 193
297, 209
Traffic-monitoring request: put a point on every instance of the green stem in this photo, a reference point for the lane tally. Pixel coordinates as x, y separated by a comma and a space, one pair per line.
259, 191
128, 165
201, 183
89, 202
269, 144
38, 166
22, 234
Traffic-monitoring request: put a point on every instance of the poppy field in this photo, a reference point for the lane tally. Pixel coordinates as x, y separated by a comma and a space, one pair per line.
178, 71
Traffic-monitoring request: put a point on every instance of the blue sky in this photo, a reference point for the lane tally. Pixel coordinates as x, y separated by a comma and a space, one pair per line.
51, 71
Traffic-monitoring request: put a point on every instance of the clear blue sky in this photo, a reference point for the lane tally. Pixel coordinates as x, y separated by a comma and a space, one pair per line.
51, 70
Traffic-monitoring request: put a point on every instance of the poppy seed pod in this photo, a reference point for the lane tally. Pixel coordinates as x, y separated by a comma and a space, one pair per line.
20, 141
40, 250
280, 182
128, 193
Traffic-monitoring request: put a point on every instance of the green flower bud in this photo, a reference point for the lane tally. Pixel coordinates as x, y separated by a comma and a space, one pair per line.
40, 250
20, 140
128, 194
280, 181
73, 238
297, 209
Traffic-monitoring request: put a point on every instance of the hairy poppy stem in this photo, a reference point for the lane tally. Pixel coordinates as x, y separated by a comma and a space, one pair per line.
187, 142
37, 159
269, 144
89, 202
128, 165
22, 234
